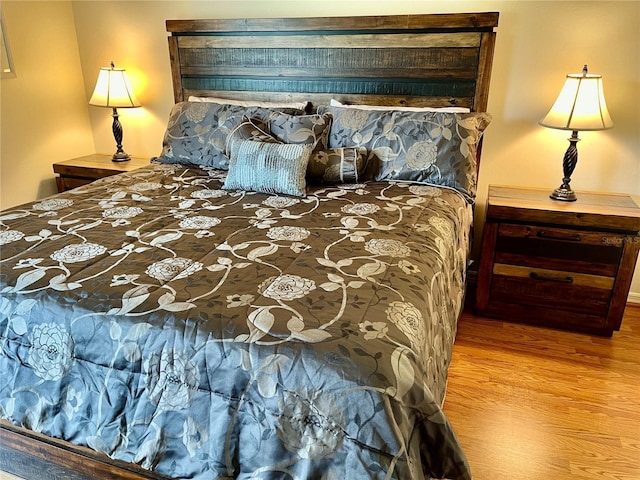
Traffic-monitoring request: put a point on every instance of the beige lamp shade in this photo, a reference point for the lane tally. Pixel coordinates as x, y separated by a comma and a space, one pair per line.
113, 89
580, 105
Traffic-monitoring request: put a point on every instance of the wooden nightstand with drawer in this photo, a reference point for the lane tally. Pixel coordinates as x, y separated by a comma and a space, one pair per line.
82, 170
560, 264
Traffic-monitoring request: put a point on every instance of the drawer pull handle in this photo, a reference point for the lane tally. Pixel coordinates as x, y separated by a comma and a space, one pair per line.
550, 278
555, 236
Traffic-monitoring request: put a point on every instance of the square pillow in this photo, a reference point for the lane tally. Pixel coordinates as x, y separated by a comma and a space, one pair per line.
268, 168
312, 129
336, 165
427, 147
197, 131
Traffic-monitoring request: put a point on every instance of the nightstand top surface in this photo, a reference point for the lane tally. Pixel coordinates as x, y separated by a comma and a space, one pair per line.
104, 162
591, 209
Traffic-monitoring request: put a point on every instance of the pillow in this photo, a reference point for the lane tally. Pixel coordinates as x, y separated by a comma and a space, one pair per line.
248, 129
268, 168
249, 103
429, 147
336, 165
197, 131
336, 103
312, 129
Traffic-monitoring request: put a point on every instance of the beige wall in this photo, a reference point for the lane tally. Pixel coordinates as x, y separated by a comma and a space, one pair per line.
44, 114
539, 42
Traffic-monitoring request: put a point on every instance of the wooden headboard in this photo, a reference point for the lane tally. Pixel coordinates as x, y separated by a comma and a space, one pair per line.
402, 60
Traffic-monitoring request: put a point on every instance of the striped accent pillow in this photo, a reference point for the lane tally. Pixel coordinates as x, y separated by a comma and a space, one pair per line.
336, 165
268, 167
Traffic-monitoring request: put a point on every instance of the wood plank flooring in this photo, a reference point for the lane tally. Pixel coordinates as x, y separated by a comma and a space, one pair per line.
535, 403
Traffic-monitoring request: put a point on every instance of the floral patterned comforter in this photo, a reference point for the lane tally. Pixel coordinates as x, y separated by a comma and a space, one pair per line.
204, 333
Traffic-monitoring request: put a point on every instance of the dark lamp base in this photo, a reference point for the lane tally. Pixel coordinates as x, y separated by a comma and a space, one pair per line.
563, 194
120, 157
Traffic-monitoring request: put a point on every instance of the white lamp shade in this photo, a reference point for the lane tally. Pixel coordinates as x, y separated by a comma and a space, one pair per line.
580, 105
113, 89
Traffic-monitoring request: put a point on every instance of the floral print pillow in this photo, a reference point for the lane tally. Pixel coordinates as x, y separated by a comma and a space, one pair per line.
197, 132
249, 129
428, 147
313, 129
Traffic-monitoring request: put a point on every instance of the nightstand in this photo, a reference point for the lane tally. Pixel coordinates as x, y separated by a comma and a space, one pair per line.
82, 170
559, 264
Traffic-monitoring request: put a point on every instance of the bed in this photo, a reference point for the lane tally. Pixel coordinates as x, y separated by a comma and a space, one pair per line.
276, 294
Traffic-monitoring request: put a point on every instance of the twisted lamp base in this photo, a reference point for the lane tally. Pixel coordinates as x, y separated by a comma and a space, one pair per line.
120, 155
564, 192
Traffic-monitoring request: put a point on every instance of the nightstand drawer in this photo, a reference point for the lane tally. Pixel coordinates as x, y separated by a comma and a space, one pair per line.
67, 183
552, 289
559, 249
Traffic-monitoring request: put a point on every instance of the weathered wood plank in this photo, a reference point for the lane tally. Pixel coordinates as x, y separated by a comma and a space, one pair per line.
410, 63
485, 61
343, 85
429, 58
365, 41
314, 73
176, 73
484, 20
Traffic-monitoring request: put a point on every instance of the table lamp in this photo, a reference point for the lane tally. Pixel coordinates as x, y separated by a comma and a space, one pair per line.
580, 106
113, 90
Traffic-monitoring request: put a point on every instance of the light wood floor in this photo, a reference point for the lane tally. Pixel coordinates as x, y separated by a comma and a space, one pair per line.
534, 403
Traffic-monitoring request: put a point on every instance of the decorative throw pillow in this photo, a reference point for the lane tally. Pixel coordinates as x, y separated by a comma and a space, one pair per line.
197, 132
268, 168
248, 129
312, 129
428, 147
336, 165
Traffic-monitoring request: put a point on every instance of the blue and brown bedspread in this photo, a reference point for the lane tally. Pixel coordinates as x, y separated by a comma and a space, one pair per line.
205, 333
